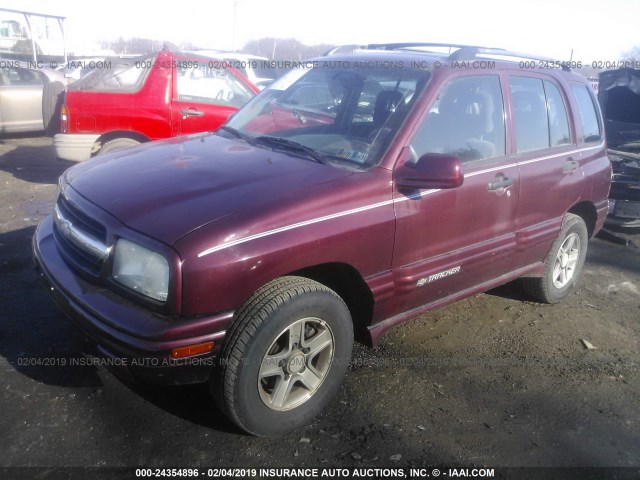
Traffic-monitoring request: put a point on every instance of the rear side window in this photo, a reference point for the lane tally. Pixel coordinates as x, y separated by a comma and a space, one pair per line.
530, 112
588, 114
122, 75
540, 114
558, 121
467, 121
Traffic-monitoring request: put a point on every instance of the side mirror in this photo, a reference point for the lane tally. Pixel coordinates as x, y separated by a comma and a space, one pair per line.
432, 170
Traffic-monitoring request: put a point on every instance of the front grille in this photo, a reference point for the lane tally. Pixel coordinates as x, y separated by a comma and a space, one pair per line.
80, 239
82, 220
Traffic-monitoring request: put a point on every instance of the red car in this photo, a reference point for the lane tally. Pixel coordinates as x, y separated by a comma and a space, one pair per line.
342, 200
136, 100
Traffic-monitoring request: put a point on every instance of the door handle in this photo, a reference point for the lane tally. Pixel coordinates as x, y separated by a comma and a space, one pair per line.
500, 182
192, 112
569, 166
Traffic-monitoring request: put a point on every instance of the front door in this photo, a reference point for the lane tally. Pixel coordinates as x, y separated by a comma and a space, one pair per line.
451, 240
205, 95
20, 100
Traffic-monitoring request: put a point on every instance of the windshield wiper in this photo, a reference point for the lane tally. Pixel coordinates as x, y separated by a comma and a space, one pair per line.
237, 133
284, 143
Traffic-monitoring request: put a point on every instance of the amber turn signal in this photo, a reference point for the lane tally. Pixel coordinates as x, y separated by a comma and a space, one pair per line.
191, 350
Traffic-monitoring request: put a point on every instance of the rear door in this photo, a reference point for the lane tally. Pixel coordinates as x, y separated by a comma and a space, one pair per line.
549, 161
205, 95
448, 241
21, 100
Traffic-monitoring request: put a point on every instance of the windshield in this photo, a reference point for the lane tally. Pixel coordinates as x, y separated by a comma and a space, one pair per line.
343, 115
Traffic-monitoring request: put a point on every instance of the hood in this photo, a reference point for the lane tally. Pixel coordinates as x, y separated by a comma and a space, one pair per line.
168, 189
619, 98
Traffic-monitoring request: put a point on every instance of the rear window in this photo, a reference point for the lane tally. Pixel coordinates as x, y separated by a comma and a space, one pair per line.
124, 75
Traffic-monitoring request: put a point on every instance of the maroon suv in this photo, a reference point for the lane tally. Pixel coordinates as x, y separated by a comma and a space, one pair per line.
344, 199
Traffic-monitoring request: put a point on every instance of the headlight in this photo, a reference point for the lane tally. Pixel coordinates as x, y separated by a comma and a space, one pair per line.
141, 270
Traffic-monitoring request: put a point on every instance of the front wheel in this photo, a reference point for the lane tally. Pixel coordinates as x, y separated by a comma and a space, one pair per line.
285, 356
563, 265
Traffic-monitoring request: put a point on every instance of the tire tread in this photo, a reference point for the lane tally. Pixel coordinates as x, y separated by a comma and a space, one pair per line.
540, 287
255, 311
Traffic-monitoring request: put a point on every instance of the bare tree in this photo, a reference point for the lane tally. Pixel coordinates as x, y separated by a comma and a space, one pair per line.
137, 46
632, 55
284, 49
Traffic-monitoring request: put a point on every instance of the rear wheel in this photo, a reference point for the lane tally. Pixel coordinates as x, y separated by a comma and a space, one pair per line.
117, 144
285, 356
563, 265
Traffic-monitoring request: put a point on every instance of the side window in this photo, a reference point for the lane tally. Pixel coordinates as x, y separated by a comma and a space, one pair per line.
198, 82
587, 109
467, 120
21, 77
31, 77
558, 120
14, 77
123, 75
240, 66
4, 77
530, 113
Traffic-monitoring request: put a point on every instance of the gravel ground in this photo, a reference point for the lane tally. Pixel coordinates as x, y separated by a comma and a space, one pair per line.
495, 380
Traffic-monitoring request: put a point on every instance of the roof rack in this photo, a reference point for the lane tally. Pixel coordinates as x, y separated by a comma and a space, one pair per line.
465, 52
409, 45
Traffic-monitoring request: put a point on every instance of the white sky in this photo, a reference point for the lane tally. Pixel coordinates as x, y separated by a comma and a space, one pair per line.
595, 29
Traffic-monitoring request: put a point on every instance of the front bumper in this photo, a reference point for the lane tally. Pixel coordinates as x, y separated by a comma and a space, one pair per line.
74, 147
141, 340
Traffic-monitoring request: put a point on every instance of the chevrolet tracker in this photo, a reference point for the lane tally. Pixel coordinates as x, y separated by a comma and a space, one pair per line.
336, 204
129, 101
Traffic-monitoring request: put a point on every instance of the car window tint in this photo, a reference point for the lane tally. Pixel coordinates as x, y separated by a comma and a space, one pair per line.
4, 77
20, 77
13, 77
558, 119
240, 66
123, 75
467, 120
587, 109
200, 82
530, 113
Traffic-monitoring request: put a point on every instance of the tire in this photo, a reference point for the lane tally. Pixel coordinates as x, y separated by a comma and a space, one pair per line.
117, 144
52, 100
285, 356
563, 265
